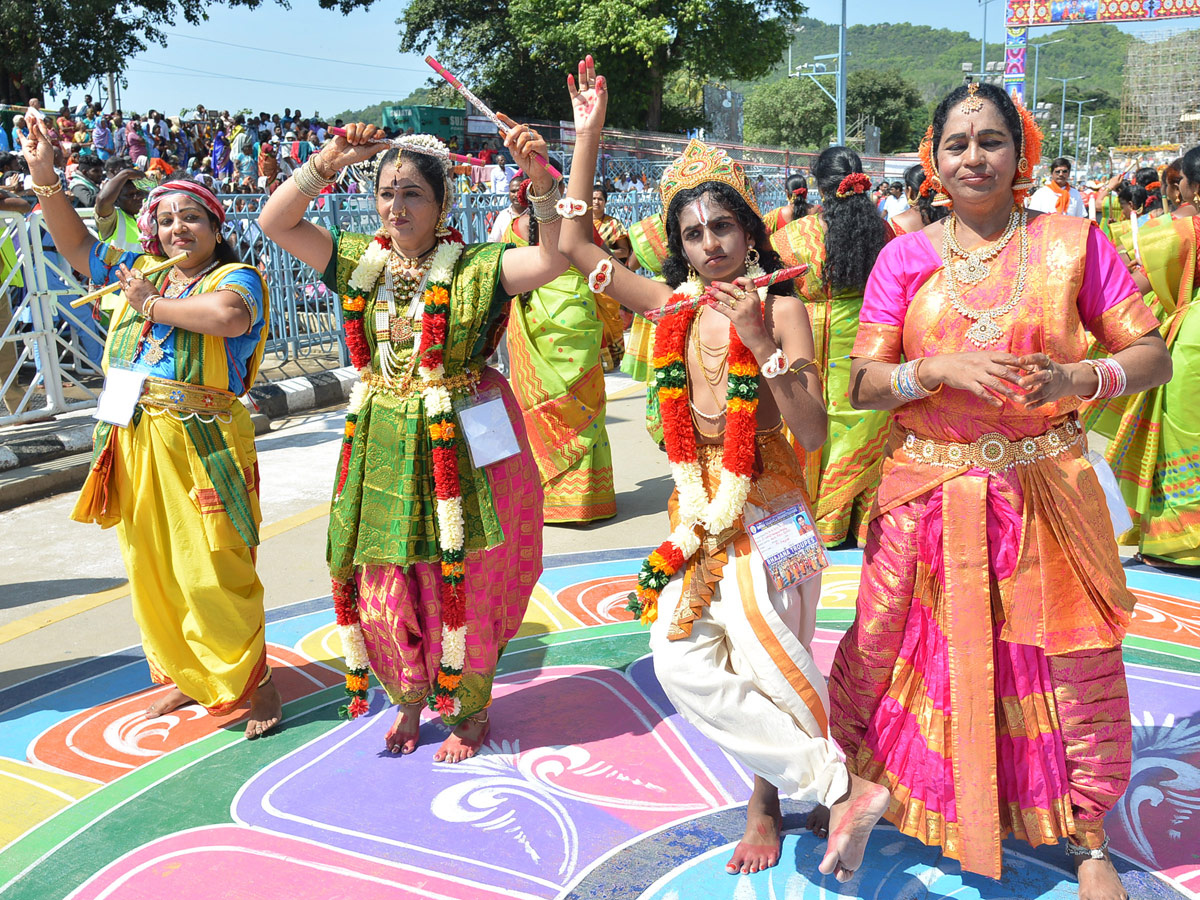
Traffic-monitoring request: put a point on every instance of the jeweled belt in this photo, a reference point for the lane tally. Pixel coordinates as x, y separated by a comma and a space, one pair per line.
411, 384
993, 451
181, 397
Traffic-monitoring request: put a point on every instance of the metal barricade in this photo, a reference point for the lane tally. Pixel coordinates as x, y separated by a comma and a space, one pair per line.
49, 353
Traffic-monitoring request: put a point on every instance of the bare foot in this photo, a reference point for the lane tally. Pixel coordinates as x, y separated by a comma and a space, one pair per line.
406, 730
759, 847
818, 821
266, 711
465, 740
1098, 879
168, 702
850, 822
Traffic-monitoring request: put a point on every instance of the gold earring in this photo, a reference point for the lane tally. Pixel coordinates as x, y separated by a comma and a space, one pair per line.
751, 257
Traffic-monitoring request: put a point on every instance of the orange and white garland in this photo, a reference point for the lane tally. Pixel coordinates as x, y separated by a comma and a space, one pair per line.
439, 417
696, 510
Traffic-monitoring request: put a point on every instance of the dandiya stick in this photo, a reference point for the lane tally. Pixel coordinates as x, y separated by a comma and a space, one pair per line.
457, 157
706, 299
116, 285
479, 104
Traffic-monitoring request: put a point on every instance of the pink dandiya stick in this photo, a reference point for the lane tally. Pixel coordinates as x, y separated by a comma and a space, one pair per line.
705, 299
453, 81
457, 157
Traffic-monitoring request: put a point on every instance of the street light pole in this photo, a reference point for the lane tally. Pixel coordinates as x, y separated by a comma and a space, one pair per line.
841, 81
1091, 121
1037, 53
1062, 110
1079, 122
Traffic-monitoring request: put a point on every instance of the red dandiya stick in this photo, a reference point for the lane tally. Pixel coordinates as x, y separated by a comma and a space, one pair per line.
706, 299
457, 157
453, 81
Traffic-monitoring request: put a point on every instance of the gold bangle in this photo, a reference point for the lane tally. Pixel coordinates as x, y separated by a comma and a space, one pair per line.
47, 190
148, 307
552, 193
317, 169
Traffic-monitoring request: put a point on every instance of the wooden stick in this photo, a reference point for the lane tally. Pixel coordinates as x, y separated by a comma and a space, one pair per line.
116, 285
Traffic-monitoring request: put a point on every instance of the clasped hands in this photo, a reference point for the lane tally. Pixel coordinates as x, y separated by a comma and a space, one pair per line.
1028, 381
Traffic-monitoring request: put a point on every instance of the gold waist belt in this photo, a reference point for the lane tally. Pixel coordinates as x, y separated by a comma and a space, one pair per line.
179, 396
411, 384
993, 451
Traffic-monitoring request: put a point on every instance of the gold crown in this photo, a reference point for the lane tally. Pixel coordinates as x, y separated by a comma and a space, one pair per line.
699, 164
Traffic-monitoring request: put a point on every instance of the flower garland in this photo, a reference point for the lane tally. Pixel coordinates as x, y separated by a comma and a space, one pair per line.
354, 303
439, 415
741, 422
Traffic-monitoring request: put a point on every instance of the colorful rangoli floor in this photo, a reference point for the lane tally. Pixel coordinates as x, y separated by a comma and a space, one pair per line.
591, 786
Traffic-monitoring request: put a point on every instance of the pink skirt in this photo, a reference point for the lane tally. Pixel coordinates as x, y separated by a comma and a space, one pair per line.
400, 607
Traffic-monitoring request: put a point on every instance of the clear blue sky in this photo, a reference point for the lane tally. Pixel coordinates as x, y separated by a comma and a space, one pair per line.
358, 59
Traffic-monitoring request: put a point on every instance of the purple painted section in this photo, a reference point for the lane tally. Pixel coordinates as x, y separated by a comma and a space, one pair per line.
577, 764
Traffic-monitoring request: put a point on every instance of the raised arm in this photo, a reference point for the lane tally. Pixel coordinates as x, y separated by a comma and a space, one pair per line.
71, 237
524, 269
282, 217
589, 100
106, 200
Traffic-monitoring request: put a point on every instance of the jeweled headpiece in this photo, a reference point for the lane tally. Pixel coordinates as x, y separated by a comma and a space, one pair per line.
700, 164
972, 103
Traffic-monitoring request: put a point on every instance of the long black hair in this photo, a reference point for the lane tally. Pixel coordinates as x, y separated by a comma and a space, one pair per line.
914, 177
854, 230
1189, 165
797, 189
997, 96
675, 266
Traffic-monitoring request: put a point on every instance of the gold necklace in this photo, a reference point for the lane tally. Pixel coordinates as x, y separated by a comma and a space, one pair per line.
986, 331
177, 285
715, 374
712, 387
970, 266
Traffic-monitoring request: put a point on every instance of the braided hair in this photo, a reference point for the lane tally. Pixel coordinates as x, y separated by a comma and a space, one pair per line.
854, 230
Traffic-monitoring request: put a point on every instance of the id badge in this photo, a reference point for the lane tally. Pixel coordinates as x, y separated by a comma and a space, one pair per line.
122, 389
484, 424
789, 545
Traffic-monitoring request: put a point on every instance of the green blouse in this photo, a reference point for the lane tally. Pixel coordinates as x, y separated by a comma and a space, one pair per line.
385, 512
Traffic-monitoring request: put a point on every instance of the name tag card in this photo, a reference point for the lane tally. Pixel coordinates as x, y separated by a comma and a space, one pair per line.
122, 388
789, 545
484, 424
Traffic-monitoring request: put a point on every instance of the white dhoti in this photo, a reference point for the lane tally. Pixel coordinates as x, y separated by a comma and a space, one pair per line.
745, 678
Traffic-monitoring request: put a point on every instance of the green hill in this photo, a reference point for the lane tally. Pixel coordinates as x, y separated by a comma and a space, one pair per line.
931, 58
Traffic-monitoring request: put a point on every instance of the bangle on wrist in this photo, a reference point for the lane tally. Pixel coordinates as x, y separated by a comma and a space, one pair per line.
47, 190
308, 179
553, 194
148, 307
331, 176
906, 383
1111, 379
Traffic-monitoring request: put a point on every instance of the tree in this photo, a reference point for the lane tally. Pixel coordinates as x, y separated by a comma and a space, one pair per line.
72, 41
789, 113
521, 50
888, 99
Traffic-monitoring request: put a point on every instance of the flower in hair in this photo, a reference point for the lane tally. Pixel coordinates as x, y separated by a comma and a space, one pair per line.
854, 183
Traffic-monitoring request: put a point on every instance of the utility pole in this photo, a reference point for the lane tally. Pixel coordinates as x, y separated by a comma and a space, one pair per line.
1091, 121
1037, 52
1062, 110
1079, 123
841, 81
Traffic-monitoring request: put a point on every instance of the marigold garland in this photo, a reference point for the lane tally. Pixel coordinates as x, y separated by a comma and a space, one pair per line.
439, 418
741, 423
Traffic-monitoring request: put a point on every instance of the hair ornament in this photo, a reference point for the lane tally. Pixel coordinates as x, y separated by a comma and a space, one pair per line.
801, 191
1154, 186
854, 183
972, 103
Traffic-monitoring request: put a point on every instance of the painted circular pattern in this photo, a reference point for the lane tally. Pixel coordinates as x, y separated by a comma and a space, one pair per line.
590, 786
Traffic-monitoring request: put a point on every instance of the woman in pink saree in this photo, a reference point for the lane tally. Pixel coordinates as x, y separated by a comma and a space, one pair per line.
982, 679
